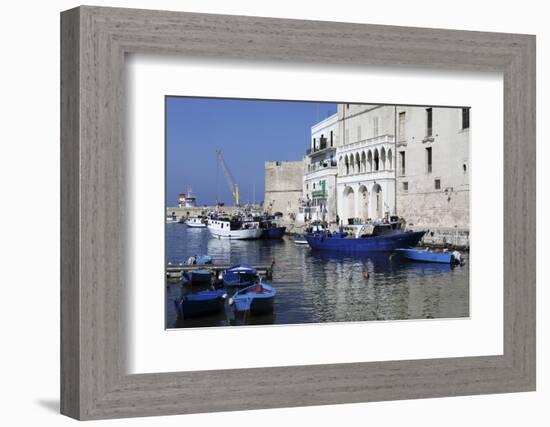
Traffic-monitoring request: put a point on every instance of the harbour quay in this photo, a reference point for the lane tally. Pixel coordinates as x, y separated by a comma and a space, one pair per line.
193, 211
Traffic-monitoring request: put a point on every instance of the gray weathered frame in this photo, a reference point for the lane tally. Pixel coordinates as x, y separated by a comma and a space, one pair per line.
94, 42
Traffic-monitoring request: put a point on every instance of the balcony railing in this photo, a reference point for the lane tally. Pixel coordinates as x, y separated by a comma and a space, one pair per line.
326, 165
323, 145
319, 193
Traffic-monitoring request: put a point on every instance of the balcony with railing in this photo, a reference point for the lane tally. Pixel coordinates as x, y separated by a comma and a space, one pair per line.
322, 147
318, 168
316, 194
377, 141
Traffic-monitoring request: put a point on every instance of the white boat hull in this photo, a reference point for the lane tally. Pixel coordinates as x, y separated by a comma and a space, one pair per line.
243, 234
195, 225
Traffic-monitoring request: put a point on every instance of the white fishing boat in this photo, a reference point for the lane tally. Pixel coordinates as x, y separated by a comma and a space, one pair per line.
197, 222
171, 218
233, 228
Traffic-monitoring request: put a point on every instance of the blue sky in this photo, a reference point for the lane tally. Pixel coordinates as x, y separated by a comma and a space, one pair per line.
248, 132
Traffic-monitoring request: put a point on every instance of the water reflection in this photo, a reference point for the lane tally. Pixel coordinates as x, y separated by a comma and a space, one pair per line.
319, 286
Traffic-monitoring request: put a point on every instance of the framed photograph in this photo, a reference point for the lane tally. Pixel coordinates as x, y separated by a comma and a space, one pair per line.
354, 225
302, 212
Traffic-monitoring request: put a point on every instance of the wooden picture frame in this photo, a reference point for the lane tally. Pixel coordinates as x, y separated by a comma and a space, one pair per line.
94, 41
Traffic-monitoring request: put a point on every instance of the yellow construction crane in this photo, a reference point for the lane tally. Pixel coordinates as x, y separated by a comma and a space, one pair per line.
233, 187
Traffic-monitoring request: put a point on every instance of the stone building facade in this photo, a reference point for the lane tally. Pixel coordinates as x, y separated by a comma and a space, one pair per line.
320, 171
422, 175
365, 156
433, 172
283, 187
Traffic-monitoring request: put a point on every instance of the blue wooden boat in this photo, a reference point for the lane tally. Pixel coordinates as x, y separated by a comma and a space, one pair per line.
199, 303
273, 232
203, 259
382, 239
270, 229
240, 275
426, 255
197, 277
199, 259
257, 298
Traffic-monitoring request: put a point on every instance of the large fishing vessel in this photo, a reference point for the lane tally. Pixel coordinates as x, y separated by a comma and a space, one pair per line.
369, 238
234, 228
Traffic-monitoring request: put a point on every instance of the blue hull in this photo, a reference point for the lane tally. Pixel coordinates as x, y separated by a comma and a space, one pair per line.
273, 233
427, 256
257, 306
383, 243
198, 277
239, 276
255, 303
206, 302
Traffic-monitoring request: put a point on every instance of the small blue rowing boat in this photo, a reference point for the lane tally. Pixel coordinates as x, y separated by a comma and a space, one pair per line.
199, 259
426, 255
203, 259
257, 298
199, 303
197, 277
239, 276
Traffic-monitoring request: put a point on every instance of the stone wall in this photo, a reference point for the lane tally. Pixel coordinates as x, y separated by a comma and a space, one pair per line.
435, 198
283, 187
199, 210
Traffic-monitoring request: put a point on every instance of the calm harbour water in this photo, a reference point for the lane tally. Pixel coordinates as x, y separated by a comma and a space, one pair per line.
317, 287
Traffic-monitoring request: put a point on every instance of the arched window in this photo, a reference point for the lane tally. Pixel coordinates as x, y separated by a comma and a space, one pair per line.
369, 160
346, 160
376, 160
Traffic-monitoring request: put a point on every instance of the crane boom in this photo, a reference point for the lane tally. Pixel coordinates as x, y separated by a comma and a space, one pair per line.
233, 187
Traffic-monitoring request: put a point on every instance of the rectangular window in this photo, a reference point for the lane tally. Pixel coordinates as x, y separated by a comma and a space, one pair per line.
429, 159
375, 126
465, 118
405, 186
358, 133
314, 144
437, 184
322, 142
402, 136
429, 122
331, 139
401, 163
